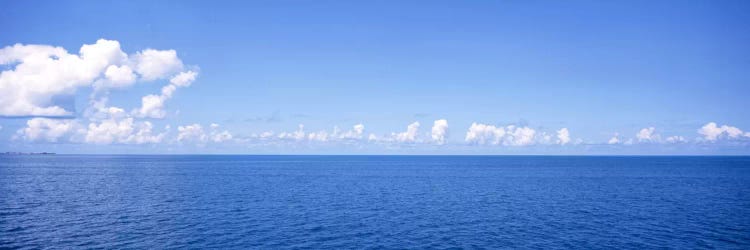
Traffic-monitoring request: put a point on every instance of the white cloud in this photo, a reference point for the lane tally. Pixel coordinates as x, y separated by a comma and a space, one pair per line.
439, 131
116, 77
152, 106
712, 132
40, 73
484, 134
46, 129
157, 64
107, 125
354, 134
43, 72
408, 136
125, 131
675, 139
192, 132
183, 79
265, 135
563, 136
321, 136
296, 135
519, 136
195, 133
615, 139
647, 135
511, 135
219, 136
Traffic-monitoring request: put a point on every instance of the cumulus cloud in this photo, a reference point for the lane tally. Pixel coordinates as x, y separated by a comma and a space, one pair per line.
46, 129
117, 77
615, 139
712, 132
484, 134
154, 64
372, 137
125, 131
296, 135
192, 132
408, 136
107, 125
520, 136
675, 139
510, 135
195, 133
321, 136
354, 134
40, 73
563, 136
43, 72
647, 135
220, 136
439, 131
152, 106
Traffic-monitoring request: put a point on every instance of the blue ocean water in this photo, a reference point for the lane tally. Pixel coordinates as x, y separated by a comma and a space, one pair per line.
269, 202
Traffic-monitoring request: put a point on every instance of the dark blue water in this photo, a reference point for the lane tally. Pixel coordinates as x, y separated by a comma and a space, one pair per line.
373, 202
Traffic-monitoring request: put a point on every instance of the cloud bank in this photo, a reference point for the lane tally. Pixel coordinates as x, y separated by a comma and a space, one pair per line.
36, 79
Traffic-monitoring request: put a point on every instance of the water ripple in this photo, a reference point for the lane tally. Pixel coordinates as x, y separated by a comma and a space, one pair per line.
365, 202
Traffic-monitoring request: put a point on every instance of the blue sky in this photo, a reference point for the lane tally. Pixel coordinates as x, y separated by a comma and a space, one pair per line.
601, 70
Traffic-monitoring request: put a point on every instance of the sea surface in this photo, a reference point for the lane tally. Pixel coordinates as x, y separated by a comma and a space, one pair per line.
378, 202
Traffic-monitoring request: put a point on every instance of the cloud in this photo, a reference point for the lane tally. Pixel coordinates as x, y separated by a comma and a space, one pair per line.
113, 125
647, 135
439, 131
675, 139
117, 77
354, 134
195, 133
408, 136
107, 125
46, 129
219, 136
520, 136
484, 134
321, 136
41, 73
124, 131
152, 106
614, 140
563, 136
712, 132
183, 79
481, 134
156, 64
296, 135
192, 132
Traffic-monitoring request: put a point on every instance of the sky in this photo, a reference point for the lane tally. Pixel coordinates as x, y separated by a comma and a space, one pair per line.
375, 77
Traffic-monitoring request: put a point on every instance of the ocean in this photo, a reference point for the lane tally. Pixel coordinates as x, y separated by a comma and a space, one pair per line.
373, 202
